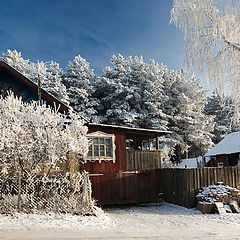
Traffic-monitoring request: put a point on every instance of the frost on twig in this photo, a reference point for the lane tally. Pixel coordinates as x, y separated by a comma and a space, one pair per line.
36, 142
213, 41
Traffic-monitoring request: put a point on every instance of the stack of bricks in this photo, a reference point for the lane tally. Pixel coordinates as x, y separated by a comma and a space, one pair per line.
218, 199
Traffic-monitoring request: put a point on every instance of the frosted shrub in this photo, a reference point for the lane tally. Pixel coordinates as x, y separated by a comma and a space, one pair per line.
35, 140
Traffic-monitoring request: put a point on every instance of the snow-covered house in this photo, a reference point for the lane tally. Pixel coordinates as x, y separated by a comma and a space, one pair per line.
191, 163
115, 152
225, 153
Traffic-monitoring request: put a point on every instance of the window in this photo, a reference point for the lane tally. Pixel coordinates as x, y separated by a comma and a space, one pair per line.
220, 165
213, 158
101, 147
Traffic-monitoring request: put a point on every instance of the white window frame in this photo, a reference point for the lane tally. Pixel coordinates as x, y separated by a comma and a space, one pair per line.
99, 134
220, 164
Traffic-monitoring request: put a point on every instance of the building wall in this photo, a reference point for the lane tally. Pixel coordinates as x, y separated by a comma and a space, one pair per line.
227, 160
120, 162
219, 159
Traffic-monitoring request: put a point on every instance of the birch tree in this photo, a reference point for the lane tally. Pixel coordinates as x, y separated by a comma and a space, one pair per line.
212, 31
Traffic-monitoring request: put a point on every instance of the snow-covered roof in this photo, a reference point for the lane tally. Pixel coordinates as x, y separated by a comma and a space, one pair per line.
132, 132
190, 163
29, 84
230, 144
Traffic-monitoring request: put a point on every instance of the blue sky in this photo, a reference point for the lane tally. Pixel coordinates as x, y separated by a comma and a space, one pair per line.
96, 29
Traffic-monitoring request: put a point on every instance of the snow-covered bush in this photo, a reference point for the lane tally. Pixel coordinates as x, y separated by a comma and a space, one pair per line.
35, 140
61, 193
33, 135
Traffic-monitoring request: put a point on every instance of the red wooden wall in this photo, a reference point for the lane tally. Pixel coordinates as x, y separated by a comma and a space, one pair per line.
112, 184
126, 188
120, 162
219, 158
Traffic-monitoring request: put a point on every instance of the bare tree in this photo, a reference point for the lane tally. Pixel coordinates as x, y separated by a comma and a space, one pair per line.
212, 31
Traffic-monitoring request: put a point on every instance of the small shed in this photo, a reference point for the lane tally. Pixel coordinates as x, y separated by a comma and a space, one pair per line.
225, 153
123, 164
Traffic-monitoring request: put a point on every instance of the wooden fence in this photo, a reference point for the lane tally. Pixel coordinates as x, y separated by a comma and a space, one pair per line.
143, 160
180, 186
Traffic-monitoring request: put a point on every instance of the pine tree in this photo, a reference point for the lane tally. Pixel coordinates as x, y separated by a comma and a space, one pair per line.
191, 128
131, 93
52, 82
80, 82
222, 110
15, 60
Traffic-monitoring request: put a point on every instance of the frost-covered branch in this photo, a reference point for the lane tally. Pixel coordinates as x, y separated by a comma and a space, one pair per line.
213, 36
34, 136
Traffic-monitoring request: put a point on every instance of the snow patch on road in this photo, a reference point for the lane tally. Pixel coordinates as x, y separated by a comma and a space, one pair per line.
145, 221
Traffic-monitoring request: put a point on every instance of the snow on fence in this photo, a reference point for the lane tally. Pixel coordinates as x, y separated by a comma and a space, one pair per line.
62, 193
180, 186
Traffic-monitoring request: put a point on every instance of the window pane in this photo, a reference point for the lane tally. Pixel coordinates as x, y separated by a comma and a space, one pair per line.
108, 140
90, 153
109, 151
96, 150
95, 140
102, 150
101, 140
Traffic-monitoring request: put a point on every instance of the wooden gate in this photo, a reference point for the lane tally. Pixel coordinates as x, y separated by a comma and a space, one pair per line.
126, 187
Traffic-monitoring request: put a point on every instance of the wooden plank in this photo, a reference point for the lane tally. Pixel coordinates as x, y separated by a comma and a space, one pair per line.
237, 180
175, 185
205, 177
225, 174
181, 190
201, 177
195, 184
209, 176
210, 172
237, 173
185, 197
216, 175
232, 175
191, 192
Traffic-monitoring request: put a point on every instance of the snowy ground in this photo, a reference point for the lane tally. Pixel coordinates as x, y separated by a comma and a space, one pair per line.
151, 221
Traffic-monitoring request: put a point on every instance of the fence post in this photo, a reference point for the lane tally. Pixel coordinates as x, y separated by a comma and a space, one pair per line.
19, 191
